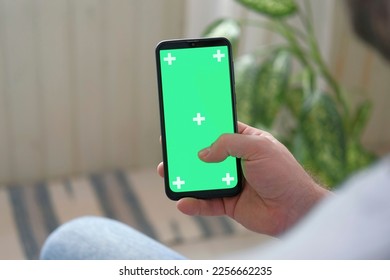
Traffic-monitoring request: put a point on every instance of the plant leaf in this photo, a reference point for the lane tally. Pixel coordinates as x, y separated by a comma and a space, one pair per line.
361, 116
271, 86
272, 8
225, 27
246, 70
298, 147
357, 155
294, 101
324, 134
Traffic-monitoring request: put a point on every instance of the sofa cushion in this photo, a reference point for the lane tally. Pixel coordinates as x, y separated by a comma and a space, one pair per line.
28, 213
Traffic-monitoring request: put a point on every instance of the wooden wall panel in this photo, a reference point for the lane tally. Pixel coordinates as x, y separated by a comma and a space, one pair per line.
55, 86
22, 89
78, 85
4, 122
88, 43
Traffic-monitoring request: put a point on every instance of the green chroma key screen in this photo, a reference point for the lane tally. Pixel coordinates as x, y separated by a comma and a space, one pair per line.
197, 108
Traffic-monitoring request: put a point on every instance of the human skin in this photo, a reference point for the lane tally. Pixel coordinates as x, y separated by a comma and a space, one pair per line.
276, 192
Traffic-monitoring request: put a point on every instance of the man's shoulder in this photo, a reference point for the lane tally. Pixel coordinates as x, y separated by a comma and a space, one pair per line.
370, 186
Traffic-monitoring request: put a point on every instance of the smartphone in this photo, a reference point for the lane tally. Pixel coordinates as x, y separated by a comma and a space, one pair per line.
197, 105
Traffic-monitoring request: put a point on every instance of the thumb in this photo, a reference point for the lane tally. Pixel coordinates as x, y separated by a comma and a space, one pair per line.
247, 147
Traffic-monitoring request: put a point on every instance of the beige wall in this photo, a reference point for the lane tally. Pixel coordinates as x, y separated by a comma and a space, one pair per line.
78, 87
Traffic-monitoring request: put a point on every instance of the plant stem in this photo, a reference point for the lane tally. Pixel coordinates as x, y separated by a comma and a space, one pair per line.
317, 57
288, 33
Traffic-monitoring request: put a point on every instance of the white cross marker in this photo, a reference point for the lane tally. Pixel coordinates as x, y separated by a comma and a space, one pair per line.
218, 55
228, 179
169, 58
198, 119
178, 182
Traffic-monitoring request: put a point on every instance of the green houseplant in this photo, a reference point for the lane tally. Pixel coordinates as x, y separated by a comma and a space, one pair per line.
288, 89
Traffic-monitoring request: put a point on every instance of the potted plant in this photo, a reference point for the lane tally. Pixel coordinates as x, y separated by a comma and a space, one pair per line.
288, 90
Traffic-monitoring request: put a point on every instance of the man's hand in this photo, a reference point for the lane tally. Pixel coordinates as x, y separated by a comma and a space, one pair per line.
276, 189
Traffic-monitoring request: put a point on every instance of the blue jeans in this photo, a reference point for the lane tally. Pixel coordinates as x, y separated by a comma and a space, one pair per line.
95, 238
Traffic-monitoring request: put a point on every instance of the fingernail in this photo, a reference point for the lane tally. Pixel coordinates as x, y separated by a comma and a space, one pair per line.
203, 153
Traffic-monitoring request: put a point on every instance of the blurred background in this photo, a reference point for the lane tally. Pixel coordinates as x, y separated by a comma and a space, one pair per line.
78, 96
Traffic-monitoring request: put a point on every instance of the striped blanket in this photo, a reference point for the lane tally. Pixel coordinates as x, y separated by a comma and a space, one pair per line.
29, 213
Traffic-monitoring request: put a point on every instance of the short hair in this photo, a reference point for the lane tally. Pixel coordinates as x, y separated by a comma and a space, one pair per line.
371, 21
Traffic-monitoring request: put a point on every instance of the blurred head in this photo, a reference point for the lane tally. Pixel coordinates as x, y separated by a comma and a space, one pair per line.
371, 21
